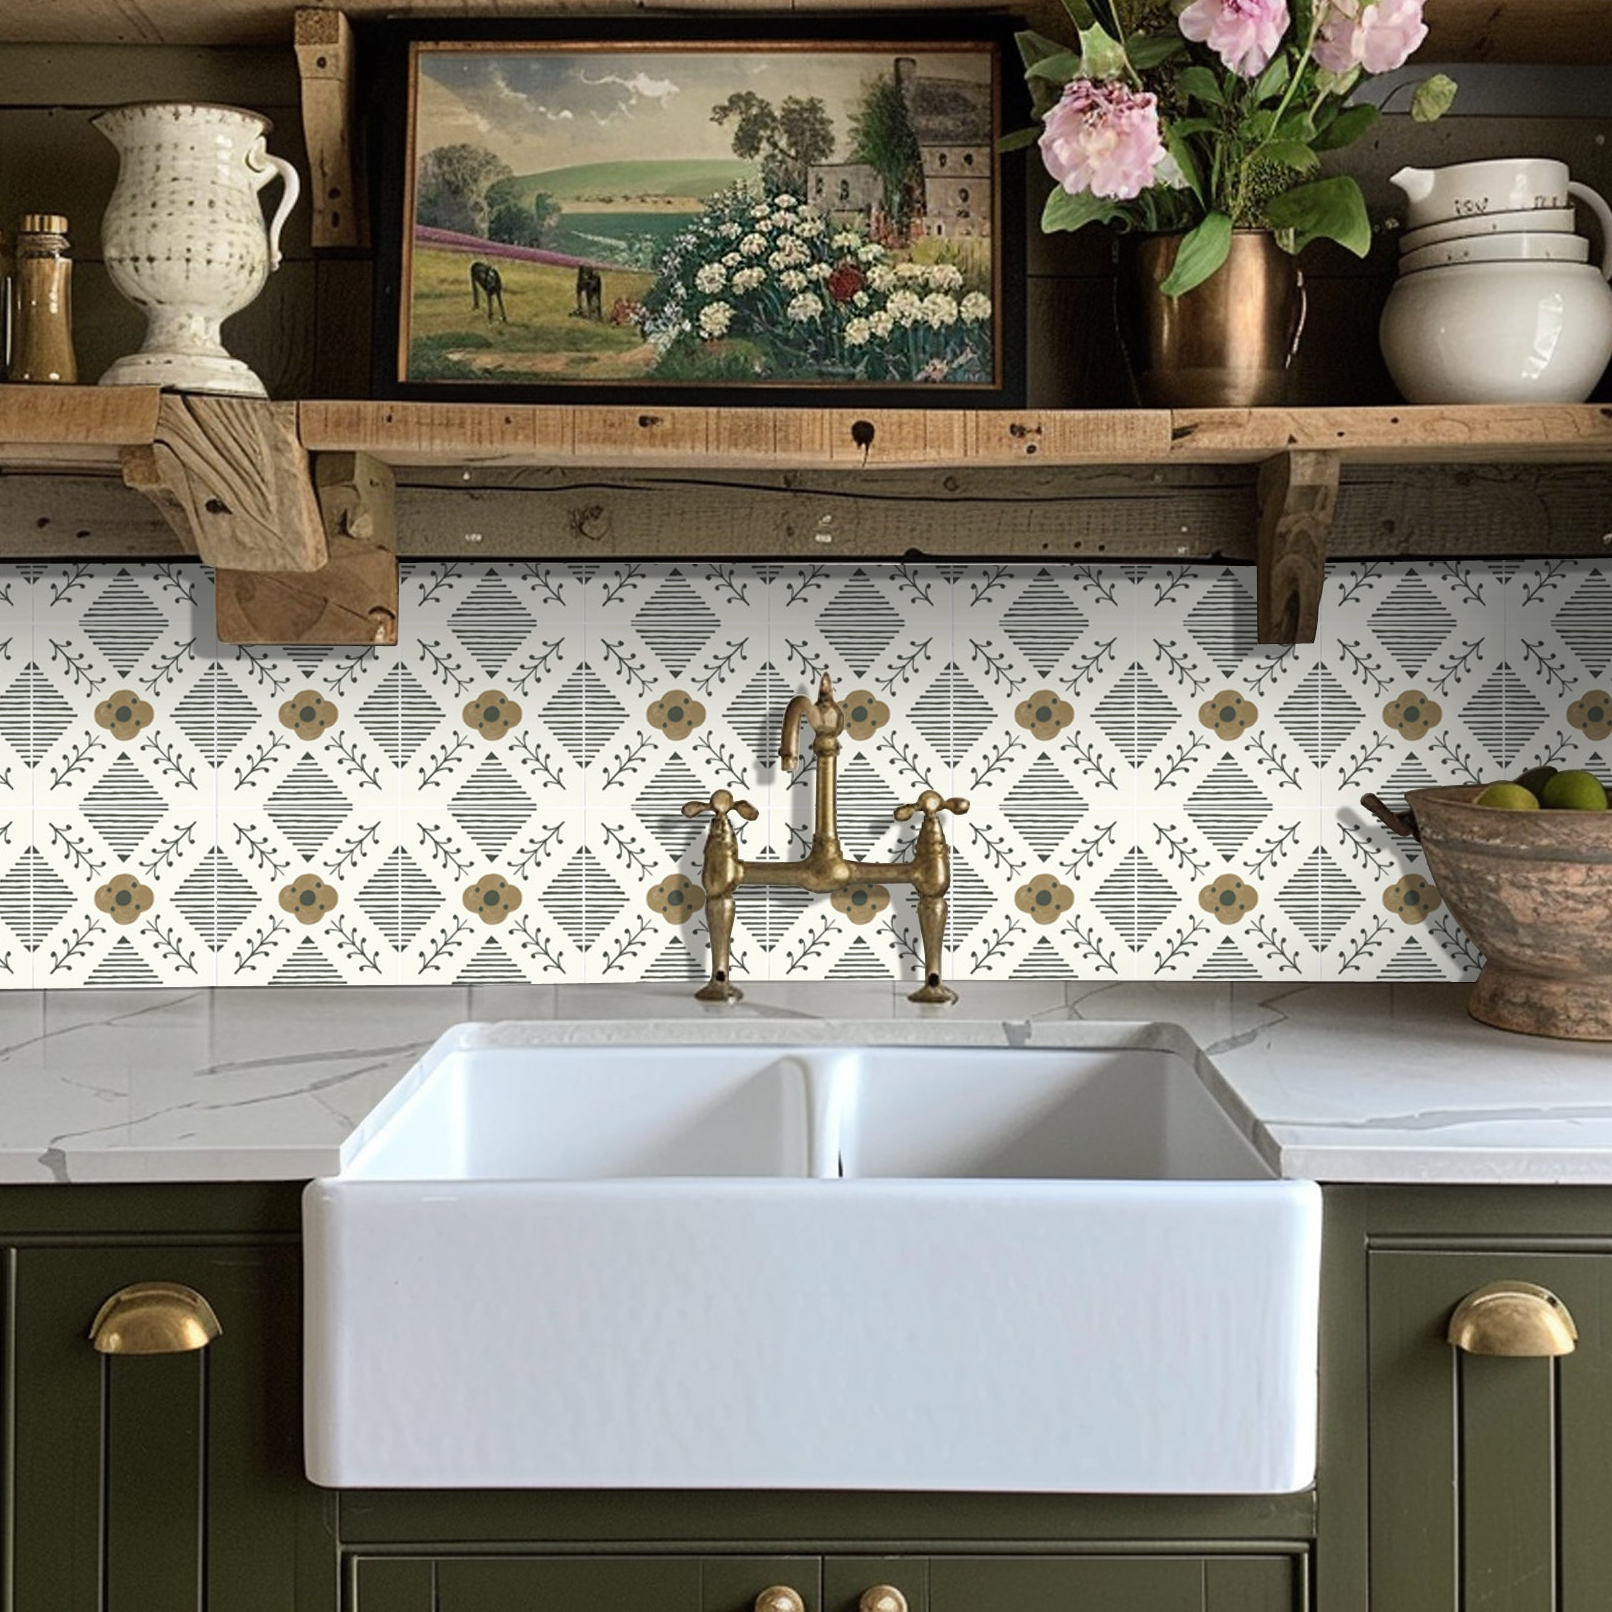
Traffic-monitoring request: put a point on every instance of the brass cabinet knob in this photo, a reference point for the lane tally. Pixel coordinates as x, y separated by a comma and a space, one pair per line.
882, 1598
1512, 1318
154, 1318
779, 1598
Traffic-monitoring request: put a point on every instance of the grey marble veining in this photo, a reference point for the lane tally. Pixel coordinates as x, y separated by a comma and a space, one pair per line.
1363, 1082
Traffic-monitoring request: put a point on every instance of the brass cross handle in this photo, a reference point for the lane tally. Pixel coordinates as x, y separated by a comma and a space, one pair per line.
931, 803
719, 805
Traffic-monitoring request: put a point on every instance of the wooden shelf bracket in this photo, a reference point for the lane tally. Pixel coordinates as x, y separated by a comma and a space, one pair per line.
1298, 496
325, 61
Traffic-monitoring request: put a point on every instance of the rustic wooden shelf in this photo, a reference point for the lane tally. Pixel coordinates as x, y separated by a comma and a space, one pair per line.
1565, 31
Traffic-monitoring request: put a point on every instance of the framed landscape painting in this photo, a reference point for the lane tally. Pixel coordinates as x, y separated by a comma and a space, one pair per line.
793, 219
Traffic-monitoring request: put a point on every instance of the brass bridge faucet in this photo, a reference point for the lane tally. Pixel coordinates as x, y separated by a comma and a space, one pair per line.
825, 867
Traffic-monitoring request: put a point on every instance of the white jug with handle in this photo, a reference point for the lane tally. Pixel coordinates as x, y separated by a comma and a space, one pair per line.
1515, 186
184, 238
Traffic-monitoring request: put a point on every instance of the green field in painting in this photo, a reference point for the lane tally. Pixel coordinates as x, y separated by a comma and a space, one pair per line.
694, 177
543, 341
632, 238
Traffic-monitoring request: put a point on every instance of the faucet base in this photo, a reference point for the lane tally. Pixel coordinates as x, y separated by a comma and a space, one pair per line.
719, 991
934, 993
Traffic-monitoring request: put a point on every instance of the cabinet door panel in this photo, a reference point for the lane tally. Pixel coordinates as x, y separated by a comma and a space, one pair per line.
1489, 1475
1066, 1584
393, 1584
569, 1584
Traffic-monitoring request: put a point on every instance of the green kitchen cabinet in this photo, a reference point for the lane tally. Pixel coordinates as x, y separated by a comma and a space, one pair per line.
166, 1482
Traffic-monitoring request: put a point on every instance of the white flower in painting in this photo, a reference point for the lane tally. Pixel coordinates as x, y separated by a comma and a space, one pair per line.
748, 279
821, 271
940, 310
945, 276
911, 271
881, 323
871, 253
806, 306
785, 200
810, 227
731, 260
860, 300
881, 277
753, 245
715, 317
857, 332
846, 241
730, 231
793, 280
976, 306
760, 210
905, 307
710, 278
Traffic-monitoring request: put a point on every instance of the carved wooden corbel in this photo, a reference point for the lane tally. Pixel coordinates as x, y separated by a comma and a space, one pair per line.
230, 475
1298, 495
353, 598
324, 45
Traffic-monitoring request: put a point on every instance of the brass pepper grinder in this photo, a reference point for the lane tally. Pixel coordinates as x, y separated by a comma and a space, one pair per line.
42, 302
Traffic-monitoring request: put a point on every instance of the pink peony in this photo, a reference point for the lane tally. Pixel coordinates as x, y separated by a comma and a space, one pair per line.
1103, 138
1379, 36
1245, 34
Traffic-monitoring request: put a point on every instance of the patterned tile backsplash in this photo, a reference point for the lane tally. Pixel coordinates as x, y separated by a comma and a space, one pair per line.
499, 798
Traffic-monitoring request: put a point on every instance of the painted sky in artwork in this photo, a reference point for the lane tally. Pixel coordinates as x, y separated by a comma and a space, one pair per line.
551, 108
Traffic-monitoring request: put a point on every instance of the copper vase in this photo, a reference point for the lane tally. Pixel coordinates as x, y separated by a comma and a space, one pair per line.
1228, 343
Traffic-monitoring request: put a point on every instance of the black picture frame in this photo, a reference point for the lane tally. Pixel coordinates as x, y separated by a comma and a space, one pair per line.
415, 285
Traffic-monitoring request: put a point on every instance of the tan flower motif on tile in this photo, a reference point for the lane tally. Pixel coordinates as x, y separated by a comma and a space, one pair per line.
1592, 715
864, 715
676, 713
308, 898
861, 903
492, 898
1229, 898
1044, 714
1228, 714
492, 714
1412, 898
1044, 898
308, 714
124, 713
125, 898
1413, 715
675, 898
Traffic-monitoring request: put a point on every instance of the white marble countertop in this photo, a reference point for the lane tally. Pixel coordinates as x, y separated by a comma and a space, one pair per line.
1369, 1082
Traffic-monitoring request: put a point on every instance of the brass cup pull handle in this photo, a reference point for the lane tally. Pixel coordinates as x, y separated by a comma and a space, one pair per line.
154, 1318
779, 1598
1518, 1319
882, 1598
932, 803
719, 805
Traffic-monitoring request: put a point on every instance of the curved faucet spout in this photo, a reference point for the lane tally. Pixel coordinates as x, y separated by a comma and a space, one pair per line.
823, 717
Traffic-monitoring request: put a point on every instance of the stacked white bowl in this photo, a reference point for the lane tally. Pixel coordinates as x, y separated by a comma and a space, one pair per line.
1497, 300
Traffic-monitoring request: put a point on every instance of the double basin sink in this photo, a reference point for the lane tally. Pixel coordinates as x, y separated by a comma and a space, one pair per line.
807, 1265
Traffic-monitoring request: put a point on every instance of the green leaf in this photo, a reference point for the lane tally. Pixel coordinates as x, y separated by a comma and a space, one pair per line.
1064, 211
1330, 209
1296, 126
1433, 98
1018, 140
1273, 80
1186, 160
1200, 84
1186, 126
1291, 154
1345, 128
1034, 47
1201, 253
1259, 126
1154, 50
1101, 55
1080, 13
1059, 69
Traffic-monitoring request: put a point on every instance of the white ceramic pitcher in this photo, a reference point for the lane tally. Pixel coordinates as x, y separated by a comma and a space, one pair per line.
184, 239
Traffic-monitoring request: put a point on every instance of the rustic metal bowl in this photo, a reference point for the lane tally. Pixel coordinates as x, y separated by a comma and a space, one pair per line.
1534, 891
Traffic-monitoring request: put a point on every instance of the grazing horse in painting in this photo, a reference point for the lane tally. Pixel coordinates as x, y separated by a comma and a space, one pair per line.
486, 281
590, 294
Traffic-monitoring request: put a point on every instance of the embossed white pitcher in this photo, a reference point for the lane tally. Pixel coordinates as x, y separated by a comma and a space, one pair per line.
184, 239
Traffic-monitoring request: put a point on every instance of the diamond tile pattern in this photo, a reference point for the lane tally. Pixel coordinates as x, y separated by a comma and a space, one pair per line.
1152, 795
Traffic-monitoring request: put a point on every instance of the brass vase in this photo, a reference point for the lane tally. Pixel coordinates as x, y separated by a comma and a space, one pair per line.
1228, 343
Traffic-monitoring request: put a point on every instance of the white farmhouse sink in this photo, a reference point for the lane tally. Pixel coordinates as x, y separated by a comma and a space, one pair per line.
807, 1266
